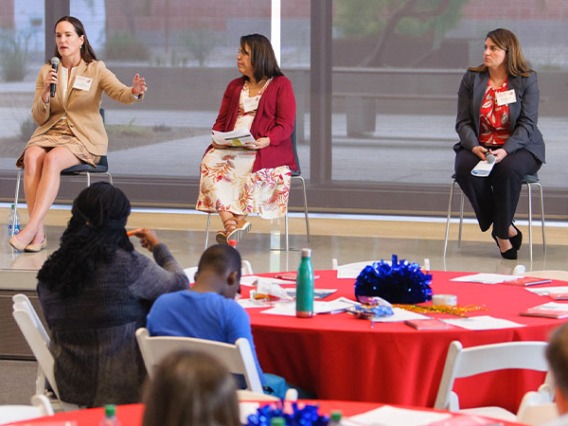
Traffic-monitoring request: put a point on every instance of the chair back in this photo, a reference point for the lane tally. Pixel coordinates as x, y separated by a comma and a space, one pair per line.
468, 362
294, 138
36, 336
237, 358
40, 407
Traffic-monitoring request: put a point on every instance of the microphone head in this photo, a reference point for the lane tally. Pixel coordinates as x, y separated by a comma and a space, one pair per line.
55, 62
490, 158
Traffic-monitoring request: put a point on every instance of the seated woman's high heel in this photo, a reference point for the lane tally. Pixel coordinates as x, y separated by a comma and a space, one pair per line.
510, 254
517, 240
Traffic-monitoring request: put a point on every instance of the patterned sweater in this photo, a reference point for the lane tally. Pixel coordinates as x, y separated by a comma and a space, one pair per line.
97, 360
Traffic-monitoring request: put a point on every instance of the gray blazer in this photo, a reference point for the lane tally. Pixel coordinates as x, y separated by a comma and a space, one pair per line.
523, 114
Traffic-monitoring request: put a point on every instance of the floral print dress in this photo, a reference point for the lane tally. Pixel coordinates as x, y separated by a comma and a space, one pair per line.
228, 182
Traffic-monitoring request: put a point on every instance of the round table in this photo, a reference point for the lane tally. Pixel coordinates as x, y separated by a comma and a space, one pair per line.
341, 357
131, 415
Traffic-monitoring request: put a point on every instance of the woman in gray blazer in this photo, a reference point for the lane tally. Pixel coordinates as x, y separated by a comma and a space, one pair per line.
497, 114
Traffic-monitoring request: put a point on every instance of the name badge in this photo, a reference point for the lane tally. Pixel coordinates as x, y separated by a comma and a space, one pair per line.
506, 98
82, 83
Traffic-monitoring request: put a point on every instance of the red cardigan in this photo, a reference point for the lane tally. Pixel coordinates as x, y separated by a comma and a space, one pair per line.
275, 118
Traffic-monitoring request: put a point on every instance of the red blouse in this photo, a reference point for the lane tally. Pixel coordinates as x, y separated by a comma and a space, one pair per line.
493, 118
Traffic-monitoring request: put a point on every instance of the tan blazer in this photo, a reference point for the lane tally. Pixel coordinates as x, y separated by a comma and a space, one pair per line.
82, 106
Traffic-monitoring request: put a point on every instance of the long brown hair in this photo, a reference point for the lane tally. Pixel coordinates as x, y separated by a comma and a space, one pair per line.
515, 61
262, 58
191, 389
87, 52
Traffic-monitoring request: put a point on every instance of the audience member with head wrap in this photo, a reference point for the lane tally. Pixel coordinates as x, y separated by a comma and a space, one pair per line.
95, 291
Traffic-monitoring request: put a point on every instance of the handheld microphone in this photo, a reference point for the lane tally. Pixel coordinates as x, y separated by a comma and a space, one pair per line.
54, 65
490, 158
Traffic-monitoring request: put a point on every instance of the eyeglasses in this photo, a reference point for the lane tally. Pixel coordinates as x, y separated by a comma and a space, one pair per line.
243, 52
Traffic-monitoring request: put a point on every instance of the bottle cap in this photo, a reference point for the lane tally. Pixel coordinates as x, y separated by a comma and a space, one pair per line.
306, 252
233, 243
277, 421
110, 410
335, 416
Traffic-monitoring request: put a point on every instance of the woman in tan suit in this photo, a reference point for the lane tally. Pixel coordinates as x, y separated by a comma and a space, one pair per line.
70, 127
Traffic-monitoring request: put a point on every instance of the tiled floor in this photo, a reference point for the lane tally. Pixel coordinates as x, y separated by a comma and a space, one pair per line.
346, 238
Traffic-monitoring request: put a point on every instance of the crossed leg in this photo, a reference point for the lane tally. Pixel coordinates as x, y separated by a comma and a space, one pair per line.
42, 176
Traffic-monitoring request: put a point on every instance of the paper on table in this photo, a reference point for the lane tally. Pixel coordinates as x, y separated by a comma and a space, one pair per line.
483, 322
238, 137
289, 309
253, 280
547, 291
253, 303
484, 278
392, 416
400, 315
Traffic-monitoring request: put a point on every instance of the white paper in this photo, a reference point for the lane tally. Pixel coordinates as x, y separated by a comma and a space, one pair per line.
553, 306
352, 270
252, 303
400, 315
547, 291
484, 278
392, 416
238, 137
253, 281
483, 322
289, 308
482, 169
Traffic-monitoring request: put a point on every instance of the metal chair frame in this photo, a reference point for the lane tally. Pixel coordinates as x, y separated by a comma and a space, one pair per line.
529, 181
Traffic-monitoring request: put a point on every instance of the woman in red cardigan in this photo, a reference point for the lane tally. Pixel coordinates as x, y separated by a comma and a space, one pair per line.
237, 181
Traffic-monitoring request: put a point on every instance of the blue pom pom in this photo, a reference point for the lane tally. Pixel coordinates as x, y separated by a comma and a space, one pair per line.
306, 416
398, 282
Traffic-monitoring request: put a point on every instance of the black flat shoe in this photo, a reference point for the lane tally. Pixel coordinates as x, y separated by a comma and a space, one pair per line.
510, 254
517, 240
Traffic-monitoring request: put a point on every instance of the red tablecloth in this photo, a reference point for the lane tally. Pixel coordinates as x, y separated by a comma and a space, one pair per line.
341, 357
131, 415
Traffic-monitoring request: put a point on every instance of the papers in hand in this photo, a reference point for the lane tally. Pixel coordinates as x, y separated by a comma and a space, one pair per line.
483, 169
237, 138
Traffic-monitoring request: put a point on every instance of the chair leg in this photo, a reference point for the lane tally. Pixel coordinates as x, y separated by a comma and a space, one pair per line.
462, 201
542, 217
286, 229
88, 179
207, 229
305, 207
448, 219
529, 189
16, 196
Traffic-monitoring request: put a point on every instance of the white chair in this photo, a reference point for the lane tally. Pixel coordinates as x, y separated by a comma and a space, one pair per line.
529, 181
38, 339
246, 269
40, 407
468, 362
237, 358
246, 395
538, 407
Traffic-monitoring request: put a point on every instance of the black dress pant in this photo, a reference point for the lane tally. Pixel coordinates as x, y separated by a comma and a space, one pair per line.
494, 198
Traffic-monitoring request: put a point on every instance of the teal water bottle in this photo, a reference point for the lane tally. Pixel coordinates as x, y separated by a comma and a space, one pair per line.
305, 286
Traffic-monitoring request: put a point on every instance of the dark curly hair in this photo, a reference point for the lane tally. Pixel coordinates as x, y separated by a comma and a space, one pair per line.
94, 233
